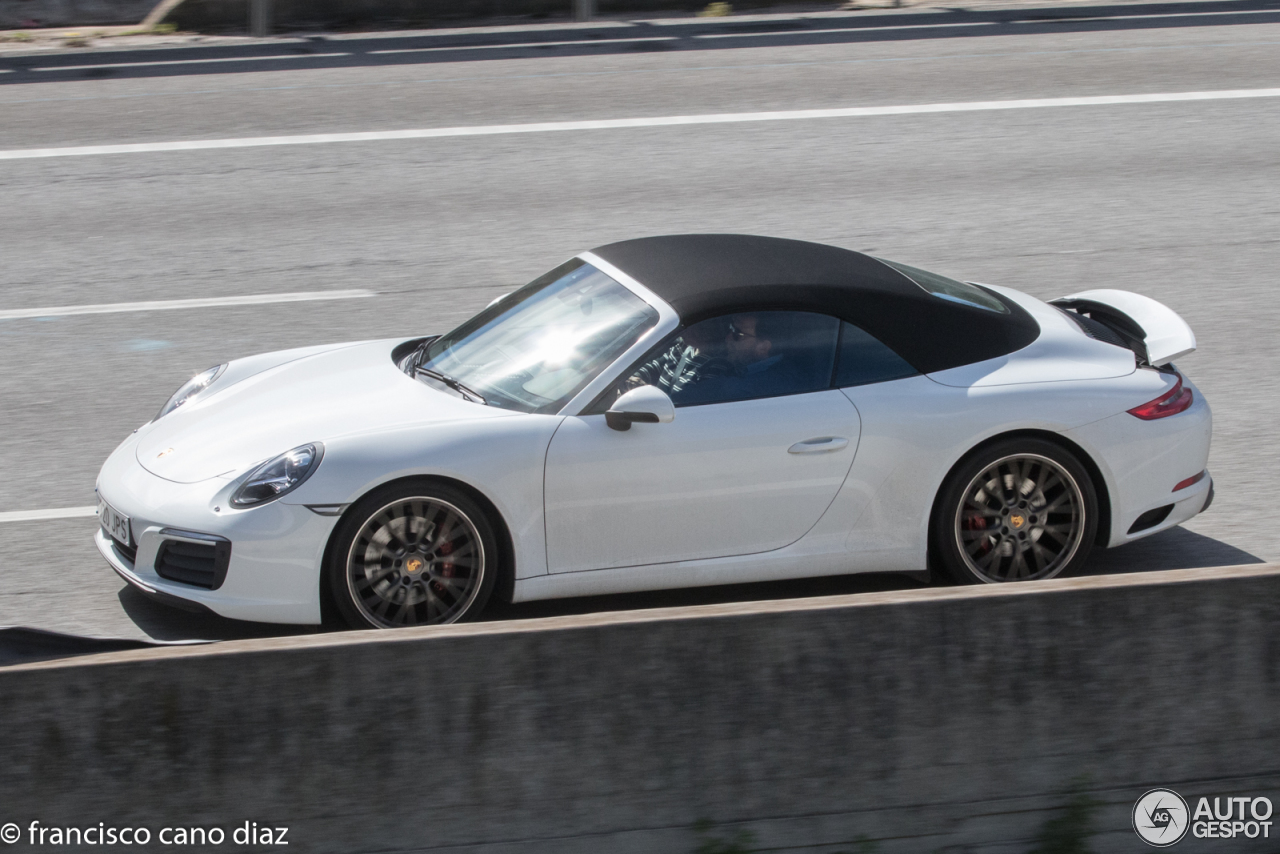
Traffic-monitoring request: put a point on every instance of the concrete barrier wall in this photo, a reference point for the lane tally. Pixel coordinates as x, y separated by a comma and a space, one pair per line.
952, 719
17, 14
214, 14
206, 14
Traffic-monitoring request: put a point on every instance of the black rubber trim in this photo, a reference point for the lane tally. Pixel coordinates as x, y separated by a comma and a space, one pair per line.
1095, 329
623, 420
166, 598
404, 348
1150, 519
129, 552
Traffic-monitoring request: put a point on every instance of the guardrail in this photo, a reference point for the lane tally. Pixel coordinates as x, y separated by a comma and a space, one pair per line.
956, 718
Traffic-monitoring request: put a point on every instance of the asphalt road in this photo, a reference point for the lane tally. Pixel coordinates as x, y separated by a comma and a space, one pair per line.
1180, 201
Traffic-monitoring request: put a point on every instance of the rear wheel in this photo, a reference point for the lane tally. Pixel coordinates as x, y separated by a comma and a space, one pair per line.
413, 554
1019, 510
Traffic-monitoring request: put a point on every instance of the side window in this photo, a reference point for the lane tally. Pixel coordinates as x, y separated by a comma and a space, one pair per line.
741, 357
864, 360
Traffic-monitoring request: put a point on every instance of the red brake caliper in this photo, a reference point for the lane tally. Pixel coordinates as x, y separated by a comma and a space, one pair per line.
974, 522
446, 569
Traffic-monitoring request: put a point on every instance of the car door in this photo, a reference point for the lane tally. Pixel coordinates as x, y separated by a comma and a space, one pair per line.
749, 464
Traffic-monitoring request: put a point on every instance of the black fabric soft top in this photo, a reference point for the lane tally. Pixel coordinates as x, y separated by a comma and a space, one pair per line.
705, 275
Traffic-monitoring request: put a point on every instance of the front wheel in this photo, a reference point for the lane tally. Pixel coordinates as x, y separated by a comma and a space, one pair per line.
412, 554
1019, 510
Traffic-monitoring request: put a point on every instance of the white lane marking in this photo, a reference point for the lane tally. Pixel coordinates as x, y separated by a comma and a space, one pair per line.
171, 304
653, 121
185, 61
41, 515
527, 44
926, 24
859, 30
1215, 12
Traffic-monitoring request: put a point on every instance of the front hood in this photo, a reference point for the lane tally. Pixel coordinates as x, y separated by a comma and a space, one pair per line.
355, 389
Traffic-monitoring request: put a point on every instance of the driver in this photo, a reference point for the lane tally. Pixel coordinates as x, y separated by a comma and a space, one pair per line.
749, 345
753, 364
731, 358
682, 364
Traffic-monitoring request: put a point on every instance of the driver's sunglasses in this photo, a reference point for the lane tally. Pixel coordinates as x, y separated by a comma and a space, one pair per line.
737, 334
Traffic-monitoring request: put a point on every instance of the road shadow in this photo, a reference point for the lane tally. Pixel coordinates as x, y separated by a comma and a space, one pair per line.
801, 588
21, 645
619, 37
1176, 548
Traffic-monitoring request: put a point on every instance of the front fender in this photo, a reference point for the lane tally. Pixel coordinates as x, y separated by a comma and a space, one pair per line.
502, 458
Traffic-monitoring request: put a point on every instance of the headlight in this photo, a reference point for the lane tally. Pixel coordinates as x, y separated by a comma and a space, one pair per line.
190, 389
275, 477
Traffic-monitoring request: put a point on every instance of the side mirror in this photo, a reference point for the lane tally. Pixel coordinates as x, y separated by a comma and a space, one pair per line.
645, 405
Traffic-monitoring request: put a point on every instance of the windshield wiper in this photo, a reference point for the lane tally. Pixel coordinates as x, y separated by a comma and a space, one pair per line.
468, 393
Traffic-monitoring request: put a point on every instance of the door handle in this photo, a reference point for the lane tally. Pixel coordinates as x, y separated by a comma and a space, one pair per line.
819, 446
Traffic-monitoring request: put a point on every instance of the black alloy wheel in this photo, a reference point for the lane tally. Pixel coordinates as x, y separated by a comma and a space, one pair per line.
412, 554
1018, 510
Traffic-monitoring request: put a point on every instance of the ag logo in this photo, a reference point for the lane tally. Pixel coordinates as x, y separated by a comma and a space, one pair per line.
1160, 817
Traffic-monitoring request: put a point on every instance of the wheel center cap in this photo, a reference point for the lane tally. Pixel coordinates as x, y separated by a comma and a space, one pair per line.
414, 565
1017, 521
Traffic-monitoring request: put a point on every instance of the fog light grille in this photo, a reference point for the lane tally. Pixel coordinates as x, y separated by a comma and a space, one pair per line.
200, 560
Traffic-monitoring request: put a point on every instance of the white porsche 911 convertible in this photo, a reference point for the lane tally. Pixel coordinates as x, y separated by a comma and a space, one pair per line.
666, 412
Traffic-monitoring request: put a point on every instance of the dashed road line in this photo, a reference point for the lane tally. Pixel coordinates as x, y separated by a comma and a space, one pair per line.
848, 30
43, 515
630, 123
174, 304
101, 65
514, 45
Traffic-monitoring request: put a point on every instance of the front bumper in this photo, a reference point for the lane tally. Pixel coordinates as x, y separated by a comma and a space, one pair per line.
277, 549
120, 562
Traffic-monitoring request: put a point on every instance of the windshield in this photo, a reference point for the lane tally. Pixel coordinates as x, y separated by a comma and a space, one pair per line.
534, 349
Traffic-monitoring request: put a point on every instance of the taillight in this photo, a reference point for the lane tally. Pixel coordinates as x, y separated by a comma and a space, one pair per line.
1175, 400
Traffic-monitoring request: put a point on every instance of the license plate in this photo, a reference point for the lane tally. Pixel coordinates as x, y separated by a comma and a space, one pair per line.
113, 522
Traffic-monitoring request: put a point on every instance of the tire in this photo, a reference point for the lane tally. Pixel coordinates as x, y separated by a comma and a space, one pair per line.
1021, 509
416, 553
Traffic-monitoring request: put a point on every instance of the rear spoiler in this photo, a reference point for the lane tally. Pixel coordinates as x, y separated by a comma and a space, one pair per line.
1152, 328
